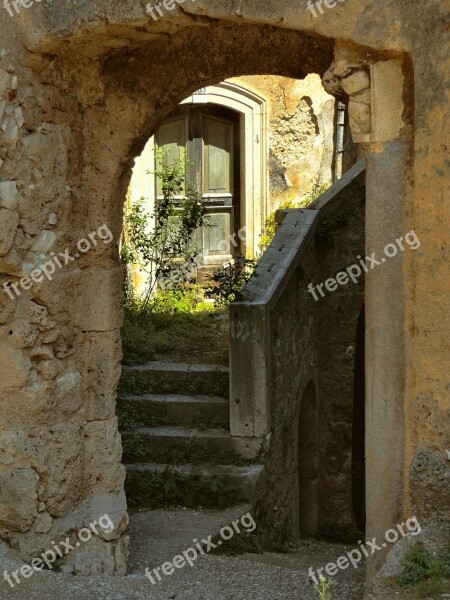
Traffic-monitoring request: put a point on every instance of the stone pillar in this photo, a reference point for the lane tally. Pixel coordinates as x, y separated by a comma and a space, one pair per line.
249, 368
374, 93
385, 181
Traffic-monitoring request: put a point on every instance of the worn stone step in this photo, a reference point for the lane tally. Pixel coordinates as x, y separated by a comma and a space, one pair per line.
151, 410
177, 445
153, 485
175, 378
158, 370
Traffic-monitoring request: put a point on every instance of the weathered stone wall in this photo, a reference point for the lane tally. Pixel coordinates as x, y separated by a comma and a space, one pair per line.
94, 81
59, 360
316, 336
340, 240
277, 506
301, 135
84, 121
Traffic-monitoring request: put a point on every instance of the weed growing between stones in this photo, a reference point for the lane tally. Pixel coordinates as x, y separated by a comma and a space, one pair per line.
187, 452
425, 572
132, 417
323, 589
133, 385
170, 488
270, 225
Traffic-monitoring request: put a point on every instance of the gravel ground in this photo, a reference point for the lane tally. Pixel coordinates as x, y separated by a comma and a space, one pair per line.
157, 536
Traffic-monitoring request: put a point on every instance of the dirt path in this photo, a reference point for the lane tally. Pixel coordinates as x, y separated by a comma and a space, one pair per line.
157, 536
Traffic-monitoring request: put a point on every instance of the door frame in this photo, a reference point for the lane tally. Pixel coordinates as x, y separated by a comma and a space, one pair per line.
254, 153
254, 180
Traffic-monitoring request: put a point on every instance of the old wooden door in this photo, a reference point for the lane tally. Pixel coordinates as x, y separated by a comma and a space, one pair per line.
210, 137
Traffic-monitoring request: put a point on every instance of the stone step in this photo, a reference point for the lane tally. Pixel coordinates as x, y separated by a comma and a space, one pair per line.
151, 410
154, 485
158, 370
177, 445
175, 378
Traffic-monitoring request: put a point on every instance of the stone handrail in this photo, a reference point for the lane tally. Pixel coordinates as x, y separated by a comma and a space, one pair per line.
289, 261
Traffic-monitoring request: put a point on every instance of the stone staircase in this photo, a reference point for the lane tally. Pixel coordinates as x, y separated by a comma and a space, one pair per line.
177, 447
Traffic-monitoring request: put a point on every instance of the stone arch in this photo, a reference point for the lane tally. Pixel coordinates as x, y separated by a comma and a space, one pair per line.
252, 111
112, 104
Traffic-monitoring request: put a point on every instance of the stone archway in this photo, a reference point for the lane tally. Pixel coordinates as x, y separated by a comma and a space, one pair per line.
112, 105
105, 95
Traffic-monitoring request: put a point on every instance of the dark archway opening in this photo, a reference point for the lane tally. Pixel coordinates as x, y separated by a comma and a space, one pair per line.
358, 428
308, 462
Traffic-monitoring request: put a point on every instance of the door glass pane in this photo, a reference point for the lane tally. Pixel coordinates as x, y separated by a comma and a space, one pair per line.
217, 155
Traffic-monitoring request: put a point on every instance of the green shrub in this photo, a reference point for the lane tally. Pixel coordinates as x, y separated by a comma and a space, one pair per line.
162, 243
227, 284
171, 302
270, 224
425, 571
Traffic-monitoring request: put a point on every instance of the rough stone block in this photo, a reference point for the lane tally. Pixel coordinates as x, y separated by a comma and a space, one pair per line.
22, 334
103, 471
44, 242
100, 558
15, 366
56, 454
100, 358
4, 81
93, 297
386, 100
9, 219
18, 498
430, 484
99, 294
46, 403
9, 196
7, 306
9, 132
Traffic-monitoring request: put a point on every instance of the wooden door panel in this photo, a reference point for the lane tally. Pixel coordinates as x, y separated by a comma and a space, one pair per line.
216, 239
217, 159
171, 137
